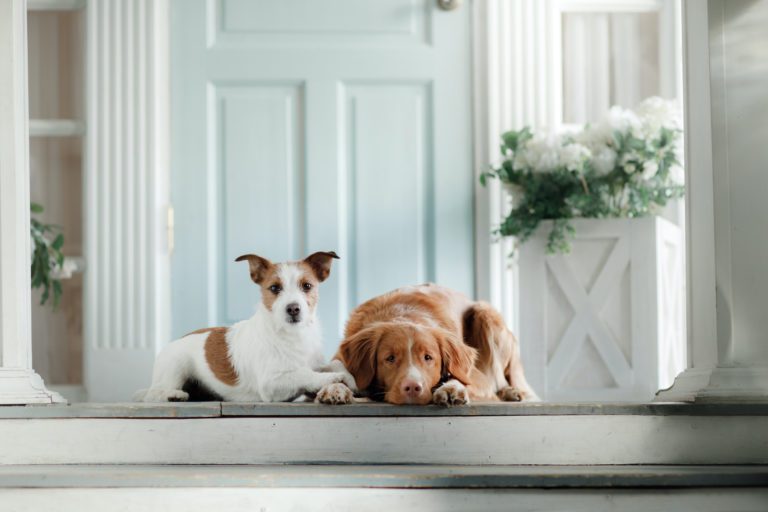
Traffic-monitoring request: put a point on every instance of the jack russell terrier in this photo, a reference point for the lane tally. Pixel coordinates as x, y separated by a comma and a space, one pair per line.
272, 357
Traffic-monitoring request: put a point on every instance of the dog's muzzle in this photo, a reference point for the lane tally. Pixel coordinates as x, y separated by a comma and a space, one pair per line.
293, 313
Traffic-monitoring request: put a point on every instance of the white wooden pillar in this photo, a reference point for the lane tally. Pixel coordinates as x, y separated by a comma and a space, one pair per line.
126, 194
19, 384
728, 283
516, 43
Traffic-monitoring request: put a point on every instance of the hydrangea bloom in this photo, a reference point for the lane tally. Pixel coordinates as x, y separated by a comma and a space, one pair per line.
625, 165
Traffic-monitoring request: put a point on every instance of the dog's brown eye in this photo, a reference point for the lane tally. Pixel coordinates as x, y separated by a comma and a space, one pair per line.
427, 357
391, 359
275, 288
307, 286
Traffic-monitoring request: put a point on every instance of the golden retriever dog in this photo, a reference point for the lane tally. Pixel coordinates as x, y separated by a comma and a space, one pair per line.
429, 344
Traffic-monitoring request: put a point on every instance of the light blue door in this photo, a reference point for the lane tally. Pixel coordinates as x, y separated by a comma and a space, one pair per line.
306, 125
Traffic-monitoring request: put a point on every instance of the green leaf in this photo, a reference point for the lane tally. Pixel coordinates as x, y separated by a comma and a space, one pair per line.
635, 143
57, 292
46, 294
58, 242
510, 139
36, 208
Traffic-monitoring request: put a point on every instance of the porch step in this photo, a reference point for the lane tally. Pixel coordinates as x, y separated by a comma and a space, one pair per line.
381, 476
366, 488
501, 435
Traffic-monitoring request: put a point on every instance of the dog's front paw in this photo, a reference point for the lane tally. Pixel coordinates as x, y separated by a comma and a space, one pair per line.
451, 393
342, 378
334, 394
510, 394
165, 395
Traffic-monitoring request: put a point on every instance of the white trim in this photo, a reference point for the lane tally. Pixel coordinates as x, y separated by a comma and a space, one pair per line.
18, 382
55, 5
700, 232
608, 5
56, 128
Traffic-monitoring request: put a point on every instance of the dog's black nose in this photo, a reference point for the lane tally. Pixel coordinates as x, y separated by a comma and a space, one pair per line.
293, 309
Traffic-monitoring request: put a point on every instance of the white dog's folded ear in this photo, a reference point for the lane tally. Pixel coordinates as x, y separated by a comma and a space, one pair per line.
258, 266
321, 263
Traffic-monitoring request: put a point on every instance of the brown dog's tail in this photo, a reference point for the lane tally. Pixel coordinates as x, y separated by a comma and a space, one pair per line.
485, 330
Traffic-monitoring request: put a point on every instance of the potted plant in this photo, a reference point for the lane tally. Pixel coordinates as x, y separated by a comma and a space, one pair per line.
600, 273
49, 265
624, 166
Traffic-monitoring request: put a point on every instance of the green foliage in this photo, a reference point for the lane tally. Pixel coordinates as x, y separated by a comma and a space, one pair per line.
47, 242
570, 191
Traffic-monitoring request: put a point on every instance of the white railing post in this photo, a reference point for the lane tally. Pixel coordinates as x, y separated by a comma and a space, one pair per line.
19, 384
728, 358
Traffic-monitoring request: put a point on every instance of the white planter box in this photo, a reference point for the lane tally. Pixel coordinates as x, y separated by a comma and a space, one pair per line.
606, 321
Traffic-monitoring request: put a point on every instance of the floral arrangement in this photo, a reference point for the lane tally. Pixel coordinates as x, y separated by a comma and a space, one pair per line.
48, 263
626, 165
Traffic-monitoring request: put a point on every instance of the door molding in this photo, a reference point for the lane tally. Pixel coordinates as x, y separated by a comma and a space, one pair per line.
126, 303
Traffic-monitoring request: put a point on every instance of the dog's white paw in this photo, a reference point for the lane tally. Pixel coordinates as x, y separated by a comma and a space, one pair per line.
342, 378
451, 393
349, 381
510, 394
334, 394
165, 395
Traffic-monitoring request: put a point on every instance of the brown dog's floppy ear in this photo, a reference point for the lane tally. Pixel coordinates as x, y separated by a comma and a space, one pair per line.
258, 266
321, 263
458, 358
358, 353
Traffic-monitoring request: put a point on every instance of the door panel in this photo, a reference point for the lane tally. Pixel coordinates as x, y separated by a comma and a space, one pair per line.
388, 146
301, 126
266, 22
259, 193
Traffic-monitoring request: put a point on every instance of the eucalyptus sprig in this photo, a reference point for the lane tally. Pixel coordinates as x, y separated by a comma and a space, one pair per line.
47, 241
620, 167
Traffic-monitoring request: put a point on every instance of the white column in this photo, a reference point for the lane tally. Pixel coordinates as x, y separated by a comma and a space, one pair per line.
728, 284
126, 194
516, 43
19, 384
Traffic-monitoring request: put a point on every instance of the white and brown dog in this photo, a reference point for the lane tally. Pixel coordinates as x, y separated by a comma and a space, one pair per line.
273, 356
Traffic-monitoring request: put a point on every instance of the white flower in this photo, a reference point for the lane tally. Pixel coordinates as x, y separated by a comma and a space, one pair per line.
655, 113
629, 168
63, 271
539, 154
573, 155
604, 160
650, 168
677, 174
621, 119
